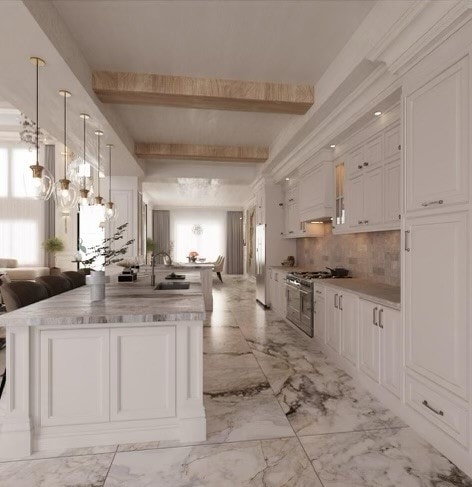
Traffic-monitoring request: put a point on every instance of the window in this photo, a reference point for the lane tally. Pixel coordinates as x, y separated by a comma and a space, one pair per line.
21, 218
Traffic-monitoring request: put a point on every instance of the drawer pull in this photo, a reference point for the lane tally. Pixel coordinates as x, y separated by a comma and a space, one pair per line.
366, 164
359, 166
374, 317
429, 203
359, 222
439, 413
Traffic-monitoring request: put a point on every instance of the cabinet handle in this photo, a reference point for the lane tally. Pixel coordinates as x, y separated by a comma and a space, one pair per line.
291, 231
335, 300
438, 412
380, 318
359, 166
291, 199
366, 221
359, 222
318, 291
429, 203
341, 302
366, 164
374, 320
407, 234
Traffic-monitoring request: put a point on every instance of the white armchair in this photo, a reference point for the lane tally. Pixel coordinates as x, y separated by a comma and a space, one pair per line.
218, 266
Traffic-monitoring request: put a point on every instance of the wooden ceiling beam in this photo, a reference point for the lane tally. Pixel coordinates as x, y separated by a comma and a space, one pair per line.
195, 152
208, 93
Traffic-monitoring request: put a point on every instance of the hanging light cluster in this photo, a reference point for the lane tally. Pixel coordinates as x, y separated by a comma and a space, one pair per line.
76, 185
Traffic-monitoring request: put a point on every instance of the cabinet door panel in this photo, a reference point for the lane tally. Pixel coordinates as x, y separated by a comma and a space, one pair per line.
373, 197
349, 311
392, 143
436, 138
74, 376
373, 153
355, 162
436, 298
390, 350
369, 340
143, 373
332, 321
355, 201
392, 192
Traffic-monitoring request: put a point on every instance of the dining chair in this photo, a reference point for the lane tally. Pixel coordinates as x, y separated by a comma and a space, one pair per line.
55, 284
17, 294
218, 267
76, 278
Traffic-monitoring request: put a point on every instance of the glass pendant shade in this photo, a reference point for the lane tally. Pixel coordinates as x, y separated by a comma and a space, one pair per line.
66, 193
38, 181
111, 211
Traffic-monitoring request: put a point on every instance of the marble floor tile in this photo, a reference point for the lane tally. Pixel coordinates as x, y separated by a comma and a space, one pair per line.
267, 463
229, 360
224, 339
77, 471
234, 382
253, 414
220, 318
381, 458
69, 452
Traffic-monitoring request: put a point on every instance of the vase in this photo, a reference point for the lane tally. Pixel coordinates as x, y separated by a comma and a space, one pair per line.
97, 285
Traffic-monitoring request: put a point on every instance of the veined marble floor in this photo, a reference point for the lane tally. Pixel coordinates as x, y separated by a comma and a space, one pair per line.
278, 414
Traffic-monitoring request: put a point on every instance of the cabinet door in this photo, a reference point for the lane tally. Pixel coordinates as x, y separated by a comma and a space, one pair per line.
311, 191
390, 327
293, 219
142, 371
373, 153
332, 320
74, 376
436, 298
349, 311
319, 314
373, 197
355, 162
355, 202
436, 138
392, 143
369, 339
392, 192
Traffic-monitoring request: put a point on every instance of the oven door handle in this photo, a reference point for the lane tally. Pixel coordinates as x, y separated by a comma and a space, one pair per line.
304, 292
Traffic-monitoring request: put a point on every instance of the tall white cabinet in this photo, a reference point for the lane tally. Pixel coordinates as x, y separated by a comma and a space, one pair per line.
437, 246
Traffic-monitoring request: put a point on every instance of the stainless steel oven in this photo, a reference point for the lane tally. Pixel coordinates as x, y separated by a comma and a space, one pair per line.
300, 304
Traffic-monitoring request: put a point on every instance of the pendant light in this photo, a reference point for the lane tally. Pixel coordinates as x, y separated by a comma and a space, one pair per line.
111, 212
98, 201
65, 191
84, 199
39, 183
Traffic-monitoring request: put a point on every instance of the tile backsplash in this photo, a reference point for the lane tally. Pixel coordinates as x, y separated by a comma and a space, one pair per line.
373, 255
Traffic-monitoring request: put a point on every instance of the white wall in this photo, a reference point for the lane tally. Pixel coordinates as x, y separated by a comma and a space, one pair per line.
210, 244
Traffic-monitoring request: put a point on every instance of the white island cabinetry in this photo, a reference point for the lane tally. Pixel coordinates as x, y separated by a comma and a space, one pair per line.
128, 369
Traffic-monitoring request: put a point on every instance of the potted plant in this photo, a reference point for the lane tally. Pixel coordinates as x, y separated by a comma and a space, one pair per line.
150, 248
51, 246
103, 255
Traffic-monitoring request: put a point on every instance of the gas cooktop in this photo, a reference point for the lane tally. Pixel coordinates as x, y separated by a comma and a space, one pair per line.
311, 275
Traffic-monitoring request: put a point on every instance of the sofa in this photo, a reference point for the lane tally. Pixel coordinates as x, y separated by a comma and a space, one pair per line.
22, 273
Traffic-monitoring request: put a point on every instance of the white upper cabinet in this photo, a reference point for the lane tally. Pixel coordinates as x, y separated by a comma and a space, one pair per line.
436, 135
392, 192
437, 297
316, 192
373, 197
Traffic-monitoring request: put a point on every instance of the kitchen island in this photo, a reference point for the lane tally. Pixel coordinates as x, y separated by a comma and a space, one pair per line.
123, 370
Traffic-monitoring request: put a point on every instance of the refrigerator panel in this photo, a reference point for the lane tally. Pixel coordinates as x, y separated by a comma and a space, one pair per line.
260, 265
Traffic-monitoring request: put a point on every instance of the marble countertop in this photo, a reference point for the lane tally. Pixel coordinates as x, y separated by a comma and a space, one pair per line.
373, 291
125, 302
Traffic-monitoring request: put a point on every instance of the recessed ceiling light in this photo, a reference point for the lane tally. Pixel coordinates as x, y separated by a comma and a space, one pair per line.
287, 179
377, 114
333, 146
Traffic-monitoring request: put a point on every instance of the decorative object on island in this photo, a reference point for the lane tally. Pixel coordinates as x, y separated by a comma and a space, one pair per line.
66, 192
192, 256
51, 246
104, 255
39, 183
289, 261
111, 211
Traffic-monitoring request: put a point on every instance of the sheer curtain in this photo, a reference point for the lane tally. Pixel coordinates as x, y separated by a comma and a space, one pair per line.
161, 232
234, 242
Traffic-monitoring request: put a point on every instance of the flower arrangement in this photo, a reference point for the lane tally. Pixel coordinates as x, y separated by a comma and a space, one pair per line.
192, 256
106, 249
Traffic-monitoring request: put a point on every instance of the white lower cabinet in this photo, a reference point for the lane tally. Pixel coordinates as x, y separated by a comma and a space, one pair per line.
319, 313
341, 313
277, 291
380, 345
74, 375
142, 373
